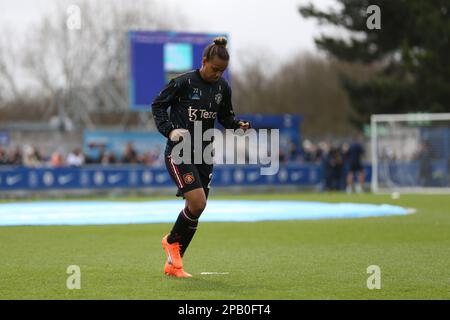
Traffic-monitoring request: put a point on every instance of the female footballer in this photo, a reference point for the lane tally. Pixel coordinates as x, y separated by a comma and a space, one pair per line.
199, 95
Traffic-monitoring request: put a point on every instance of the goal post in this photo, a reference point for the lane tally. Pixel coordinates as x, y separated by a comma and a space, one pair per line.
410, 152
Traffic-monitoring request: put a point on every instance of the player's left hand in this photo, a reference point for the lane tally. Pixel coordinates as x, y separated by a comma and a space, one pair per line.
244, 125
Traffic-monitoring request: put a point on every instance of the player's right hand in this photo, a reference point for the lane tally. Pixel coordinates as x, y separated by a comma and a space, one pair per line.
177, 134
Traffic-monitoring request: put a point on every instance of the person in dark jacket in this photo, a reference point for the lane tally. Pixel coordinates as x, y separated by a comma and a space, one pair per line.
354, 157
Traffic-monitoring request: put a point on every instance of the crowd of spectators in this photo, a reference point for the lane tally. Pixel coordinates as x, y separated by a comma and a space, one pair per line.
129, 156
339, 162
342, 164
334, 159
31, 156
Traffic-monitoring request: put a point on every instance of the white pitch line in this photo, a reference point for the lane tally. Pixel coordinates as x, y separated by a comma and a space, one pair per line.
208, 273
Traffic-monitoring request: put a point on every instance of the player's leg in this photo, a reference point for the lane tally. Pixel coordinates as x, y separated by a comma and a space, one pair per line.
187, 180
349, 187
190, 186
196, 203
361, 178
176, 242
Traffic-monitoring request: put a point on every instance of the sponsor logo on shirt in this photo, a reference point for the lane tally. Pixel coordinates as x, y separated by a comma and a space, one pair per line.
200, 114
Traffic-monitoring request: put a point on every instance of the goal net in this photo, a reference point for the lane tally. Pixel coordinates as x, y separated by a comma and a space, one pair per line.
410, 152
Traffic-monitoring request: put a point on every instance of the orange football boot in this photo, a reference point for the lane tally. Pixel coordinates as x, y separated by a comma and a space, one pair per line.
172, 253
170, 270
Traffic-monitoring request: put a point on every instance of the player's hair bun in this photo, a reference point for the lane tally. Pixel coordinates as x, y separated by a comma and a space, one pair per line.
220, 41
218, 48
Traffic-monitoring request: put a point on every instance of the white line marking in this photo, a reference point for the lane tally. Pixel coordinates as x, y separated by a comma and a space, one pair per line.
207, 273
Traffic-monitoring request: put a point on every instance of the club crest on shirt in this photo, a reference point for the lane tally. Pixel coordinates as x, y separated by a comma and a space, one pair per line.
218, 98
188, 178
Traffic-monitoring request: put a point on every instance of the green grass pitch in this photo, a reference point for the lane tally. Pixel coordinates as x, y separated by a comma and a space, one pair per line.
305, 259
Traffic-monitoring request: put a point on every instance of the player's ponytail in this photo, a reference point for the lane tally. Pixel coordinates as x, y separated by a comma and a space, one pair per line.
217, 49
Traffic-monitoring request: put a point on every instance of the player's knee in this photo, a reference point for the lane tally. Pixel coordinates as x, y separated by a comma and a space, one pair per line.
197, 207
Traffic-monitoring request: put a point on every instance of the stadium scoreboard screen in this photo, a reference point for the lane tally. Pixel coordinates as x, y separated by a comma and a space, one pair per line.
158, 56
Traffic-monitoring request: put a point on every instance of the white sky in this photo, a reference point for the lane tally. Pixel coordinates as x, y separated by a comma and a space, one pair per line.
274, 27
269, 27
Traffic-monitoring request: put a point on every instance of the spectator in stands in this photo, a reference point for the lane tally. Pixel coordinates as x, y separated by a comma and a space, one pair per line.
333, 167
75, 158
353, 159
32, 157
293, 152
102, 156
309, 151
425, 167
282, 157
146, 158
108, 158
322, 150
152, 157
3, 156
130, 155
326, 169
56, 159
337, 174
15, 157
158, 157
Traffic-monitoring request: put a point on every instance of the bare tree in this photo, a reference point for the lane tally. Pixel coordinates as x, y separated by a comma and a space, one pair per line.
85, 70
306, 85
8, 83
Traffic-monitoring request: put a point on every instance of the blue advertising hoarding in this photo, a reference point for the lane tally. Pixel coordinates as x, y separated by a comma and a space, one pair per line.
139, 176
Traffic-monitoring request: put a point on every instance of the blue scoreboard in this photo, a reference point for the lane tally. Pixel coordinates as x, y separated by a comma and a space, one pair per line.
158, 56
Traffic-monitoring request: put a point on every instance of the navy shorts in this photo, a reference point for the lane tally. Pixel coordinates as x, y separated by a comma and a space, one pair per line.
356, 167
188, 177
